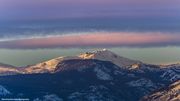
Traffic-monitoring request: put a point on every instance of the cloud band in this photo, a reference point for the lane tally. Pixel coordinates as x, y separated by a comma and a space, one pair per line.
99, 39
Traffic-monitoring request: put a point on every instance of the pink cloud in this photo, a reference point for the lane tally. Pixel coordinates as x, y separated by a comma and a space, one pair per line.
97, 40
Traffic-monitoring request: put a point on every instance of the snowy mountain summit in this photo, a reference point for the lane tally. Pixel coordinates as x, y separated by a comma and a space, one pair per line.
51, 65
91, 76
103, 55
106, 55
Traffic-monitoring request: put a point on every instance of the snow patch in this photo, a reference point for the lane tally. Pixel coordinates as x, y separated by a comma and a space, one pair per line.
116, 72
141, 83
75, 94
92, 93
4, 91
51, 97
102, 75
170, 75
131, 75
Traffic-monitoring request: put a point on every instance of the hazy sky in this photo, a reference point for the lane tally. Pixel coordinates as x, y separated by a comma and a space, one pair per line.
153, 55
56, 9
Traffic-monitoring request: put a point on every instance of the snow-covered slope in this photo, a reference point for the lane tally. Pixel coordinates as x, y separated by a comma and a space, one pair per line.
3, 91
50, 97
170, 93
85, 77
8, 70
106, 55
103, 55
47, 66
169, 71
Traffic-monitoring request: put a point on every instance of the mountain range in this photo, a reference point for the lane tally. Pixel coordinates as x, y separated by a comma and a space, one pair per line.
92, 76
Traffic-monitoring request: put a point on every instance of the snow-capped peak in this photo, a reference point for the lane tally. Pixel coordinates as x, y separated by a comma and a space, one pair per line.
50, 65
106, 55
103, 55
